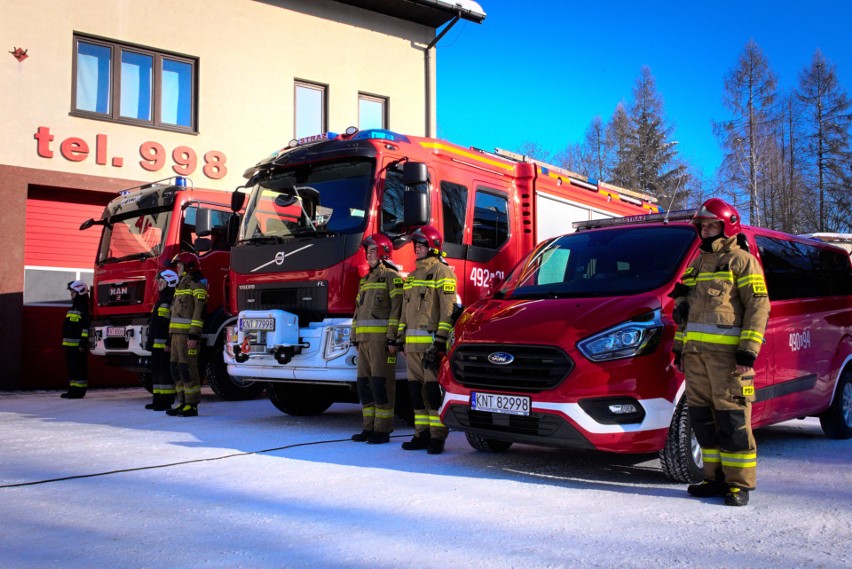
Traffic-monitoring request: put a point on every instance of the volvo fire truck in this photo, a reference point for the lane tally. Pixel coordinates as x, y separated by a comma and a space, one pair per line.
297, 258
143, 229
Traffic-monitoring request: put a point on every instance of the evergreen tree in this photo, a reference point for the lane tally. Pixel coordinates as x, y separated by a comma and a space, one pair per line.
826, 132
750, 93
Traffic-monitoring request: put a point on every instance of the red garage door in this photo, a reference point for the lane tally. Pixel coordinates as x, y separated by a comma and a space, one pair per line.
56, 252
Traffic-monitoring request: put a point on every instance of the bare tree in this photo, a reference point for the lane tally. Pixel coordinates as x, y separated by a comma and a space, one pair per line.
826, 132
750, 93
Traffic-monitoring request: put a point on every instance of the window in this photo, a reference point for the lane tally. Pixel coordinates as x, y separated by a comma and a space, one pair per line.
372, 112
454, 207
310, 109
135, 85
490, 220
797, 270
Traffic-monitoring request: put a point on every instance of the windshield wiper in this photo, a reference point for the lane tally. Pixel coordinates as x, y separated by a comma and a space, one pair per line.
132, 256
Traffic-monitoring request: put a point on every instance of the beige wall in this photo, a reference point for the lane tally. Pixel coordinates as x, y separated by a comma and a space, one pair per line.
249, 54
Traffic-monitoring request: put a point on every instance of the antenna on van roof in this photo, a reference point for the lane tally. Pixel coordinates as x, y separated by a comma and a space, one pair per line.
671, 202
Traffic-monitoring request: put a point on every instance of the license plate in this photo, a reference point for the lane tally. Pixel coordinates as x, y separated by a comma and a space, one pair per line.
494, 403
258, 324
115, 331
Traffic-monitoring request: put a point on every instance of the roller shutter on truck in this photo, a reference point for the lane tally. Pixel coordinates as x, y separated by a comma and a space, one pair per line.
56, 252
556, 214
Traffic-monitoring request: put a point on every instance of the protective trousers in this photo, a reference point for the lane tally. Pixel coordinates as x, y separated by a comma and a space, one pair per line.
376, 386
184, 364
161, 378
720, 411
77, 364
425, 397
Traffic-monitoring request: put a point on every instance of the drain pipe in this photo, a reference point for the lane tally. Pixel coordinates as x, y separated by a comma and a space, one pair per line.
428, 62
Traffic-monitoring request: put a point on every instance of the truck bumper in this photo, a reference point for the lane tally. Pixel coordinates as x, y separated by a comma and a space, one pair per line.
106, 341
320, 352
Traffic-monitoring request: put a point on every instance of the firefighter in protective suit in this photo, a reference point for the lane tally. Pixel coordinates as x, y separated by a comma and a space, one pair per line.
376, 320
75, 340
716, 346
429, 296
157, 342
185, 328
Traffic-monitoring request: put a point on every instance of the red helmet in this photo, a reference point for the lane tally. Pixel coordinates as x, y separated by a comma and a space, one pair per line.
429, 236
382, 243
715, 209
189, 260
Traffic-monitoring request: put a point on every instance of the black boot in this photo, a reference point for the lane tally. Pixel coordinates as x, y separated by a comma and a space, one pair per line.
74, 393
188, 410
708, 489
736, 497
420, 442
173, 412
378, 438
153, 404
436, 446
362, 436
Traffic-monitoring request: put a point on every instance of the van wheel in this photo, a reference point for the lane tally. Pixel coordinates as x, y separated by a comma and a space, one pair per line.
146, 381
836, 422
480, 443
681, 457
227, 387
299, 400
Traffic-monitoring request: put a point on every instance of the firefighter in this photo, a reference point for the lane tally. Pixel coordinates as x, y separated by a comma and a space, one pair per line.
185, 327
716, 347
425, 323
376, 321
75, 340
157, 342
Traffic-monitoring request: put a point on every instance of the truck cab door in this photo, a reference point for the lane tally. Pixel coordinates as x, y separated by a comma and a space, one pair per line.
491, 249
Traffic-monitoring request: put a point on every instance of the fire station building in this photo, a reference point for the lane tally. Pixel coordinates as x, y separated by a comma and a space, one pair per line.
100, 96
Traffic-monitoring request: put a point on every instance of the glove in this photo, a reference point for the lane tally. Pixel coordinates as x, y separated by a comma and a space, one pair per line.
680, 313
677, 358
440, 346
745, 358
431, 359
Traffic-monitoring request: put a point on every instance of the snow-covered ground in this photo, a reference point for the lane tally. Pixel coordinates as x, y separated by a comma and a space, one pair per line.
102, 482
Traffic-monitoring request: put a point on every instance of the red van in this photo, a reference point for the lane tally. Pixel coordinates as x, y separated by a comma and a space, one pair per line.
574, 348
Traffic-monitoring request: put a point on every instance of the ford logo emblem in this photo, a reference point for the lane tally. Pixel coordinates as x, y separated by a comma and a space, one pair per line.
501, 358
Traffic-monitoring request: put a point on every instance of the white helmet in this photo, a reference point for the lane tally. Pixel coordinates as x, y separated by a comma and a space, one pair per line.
170, 277
79, 287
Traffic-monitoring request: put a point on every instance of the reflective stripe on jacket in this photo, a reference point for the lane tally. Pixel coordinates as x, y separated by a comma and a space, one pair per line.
188, 307
427, 306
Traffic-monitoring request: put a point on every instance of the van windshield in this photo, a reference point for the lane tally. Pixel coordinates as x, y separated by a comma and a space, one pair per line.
610, 262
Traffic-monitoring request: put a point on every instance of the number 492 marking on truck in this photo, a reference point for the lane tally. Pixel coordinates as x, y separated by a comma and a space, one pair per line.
800, 340
482, 277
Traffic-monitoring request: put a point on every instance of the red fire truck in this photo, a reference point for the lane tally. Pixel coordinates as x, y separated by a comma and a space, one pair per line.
297, 257
574, 348
143, 229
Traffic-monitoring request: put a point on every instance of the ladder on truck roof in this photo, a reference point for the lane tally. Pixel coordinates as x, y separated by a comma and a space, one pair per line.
630, 196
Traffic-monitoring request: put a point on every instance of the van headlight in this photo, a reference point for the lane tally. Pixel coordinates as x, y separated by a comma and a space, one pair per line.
337, 341
629, 339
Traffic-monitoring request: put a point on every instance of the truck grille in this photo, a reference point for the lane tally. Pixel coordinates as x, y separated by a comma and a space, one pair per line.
123, 293
306, 300
533, 368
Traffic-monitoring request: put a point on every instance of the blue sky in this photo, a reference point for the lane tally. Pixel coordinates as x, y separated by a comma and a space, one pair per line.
541, 70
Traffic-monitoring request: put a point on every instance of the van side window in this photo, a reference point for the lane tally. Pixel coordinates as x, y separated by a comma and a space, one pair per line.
490, 220
392, 200
797, 270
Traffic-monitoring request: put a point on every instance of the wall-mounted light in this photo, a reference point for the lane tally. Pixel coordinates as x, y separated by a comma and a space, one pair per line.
19, 53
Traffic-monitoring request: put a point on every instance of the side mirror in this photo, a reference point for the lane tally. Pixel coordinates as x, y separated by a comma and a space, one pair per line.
233, 229
415, 206
238, 200
414, 173
87, 224
203, 244
204, 222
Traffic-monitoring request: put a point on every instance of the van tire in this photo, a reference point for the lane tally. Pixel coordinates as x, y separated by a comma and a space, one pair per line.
483, 444
680, 459
836, 421
299, 400
220, 381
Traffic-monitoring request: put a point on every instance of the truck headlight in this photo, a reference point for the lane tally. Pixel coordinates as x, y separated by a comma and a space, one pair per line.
628, 339
337, 341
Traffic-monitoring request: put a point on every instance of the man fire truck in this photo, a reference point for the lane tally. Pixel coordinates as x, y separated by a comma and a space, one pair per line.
143, 228
297, 258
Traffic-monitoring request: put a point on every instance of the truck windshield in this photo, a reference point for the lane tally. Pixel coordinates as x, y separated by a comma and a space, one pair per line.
329, 198
135, 236
610, 262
